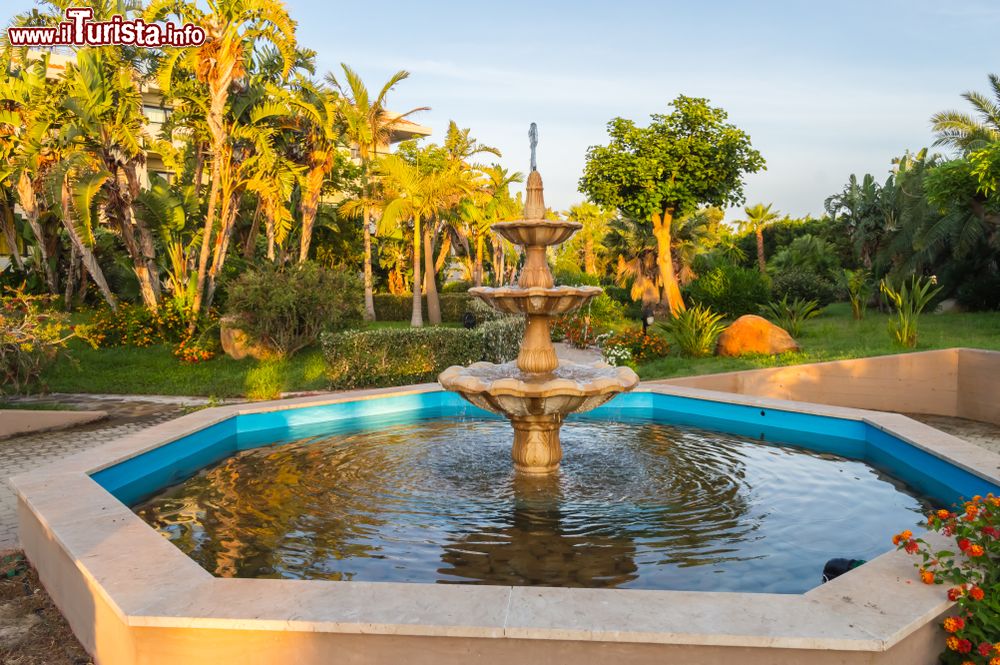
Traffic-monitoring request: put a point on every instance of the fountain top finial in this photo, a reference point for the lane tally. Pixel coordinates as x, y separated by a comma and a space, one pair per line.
534, 204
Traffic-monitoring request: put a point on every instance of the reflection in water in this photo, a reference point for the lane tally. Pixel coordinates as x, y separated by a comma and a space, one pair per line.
640, 505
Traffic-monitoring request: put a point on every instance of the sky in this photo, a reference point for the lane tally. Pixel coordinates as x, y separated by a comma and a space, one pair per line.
824, 89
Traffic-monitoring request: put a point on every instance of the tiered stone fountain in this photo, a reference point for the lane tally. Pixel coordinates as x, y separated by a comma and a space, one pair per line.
538, 391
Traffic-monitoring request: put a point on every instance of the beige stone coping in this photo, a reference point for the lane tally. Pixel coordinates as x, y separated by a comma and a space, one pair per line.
67, 517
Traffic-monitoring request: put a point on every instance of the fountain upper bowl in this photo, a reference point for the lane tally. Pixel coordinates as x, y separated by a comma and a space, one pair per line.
536, 232
536, 300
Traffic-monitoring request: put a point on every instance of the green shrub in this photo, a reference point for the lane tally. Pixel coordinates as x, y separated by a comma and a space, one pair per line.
287, 308
731, 290
397, 356
695, 330
31, 337
501, 338
803, 285
791, 315
390, 307
980, 293
134, 325
859, 291
807, 253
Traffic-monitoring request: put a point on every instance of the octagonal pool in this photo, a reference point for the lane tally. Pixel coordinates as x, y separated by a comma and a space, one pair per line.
656, 492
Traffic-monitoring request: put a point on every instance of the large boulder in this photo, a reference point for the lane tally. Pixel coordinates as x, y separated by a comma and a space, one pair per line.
238, 345
754, 335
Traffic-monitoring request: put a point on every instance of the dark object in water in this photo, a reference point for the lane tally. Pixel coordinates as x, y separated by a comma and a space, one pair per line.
834, 568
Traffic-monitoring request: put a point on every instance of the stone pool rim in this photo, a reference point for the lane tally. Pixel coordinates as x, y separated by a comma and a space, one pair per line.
115, 578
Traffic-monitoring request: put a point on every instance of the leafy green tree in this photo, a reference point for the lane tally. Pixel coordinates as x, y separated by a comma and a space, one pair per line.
686, 159
759, 216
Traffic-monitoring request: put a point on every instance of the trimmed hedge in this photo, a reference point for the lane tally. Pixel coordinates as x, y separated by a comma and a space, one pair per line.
397, 356
389, 307
401, 356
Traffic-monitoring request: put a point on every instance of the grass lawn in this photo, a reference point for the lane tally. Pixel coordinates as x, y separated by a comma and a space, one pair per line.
834, 335
154, 370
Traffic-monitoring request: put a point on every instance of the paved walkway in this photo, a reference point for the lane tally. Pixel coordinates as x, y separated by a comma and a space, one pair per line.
26, 453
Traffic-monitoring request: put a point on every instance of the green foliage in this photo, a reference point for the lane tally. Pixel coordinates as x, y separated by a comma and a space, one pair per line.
791, 315
908, 302
859, 289
390, 307
31, 338
803, 285
980, 293
641, 347
266, 380
501, 338
397, 356
287, 308
807, 253
134, 325
731, 290
695, 330
581, 328
685, 159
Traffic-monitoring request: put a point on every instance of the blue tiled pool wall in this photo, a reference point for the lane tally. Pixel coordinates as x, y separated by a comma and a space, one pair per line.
135, 479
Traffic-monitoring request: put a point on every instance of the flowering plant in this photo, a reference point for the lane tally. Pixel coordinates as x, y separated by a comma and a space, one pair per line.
641, 346
617, 356
974, 573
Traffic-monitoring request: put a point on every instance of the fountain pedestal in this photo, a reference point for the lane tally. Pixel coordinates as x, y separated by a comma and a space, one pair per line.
537, 392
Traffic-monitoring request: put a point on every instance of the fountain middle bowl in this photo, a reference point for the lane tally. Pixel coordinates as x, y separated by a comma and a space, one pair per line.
536, 300
536, 233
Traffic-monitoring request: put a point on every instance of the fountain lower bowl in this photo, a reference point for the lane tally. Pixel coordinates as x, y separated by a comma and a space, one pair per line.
537, 300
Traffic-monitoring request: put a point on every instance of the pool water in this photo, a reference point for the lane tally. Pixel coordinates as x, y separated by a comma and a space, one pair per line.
636, 504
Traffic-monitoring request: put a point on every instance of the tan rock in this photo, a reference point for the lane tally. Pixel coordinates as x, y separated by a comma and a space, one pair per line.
751, 334
238, 345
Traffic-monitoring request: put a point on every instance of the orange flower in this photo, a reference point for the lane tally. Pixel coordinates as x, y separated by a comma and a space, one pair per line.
943, 514
952, 643
976, 550
927, 576
995, 660
954, 593
971, 509
976, 593
953, 624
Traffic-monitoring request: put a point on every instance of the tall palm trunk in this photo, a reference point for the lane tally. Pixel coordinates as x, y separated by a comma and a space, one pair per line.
665, 263
369, 296
71, 271
250, 243
430, 278
589, 257
29, 204
477, 273
86, 254
227, 222
206, 243
417, 316
761, 263
309, 205
147, 248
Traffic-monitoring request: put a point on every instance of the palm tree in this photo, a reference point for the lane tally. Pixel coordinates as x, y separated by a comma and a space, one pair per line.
368, 126
105, 124
416, 195
634, 250
27, 106
487, 206
233, 28
319, 139
758, 217
966, 132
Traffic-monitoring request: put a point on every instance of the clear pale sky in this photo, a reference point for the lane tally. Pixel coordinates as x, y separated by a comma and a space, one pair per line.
825, 89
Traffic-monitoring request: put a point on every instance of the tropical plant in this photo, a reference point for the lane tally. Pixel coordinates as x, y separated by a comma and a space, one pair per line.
31, 336
368, 126
966, 132
585, 243
908, 301
758, 218
859, 289
681, 161
791, 315
695, 330
807, 253
803, 285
